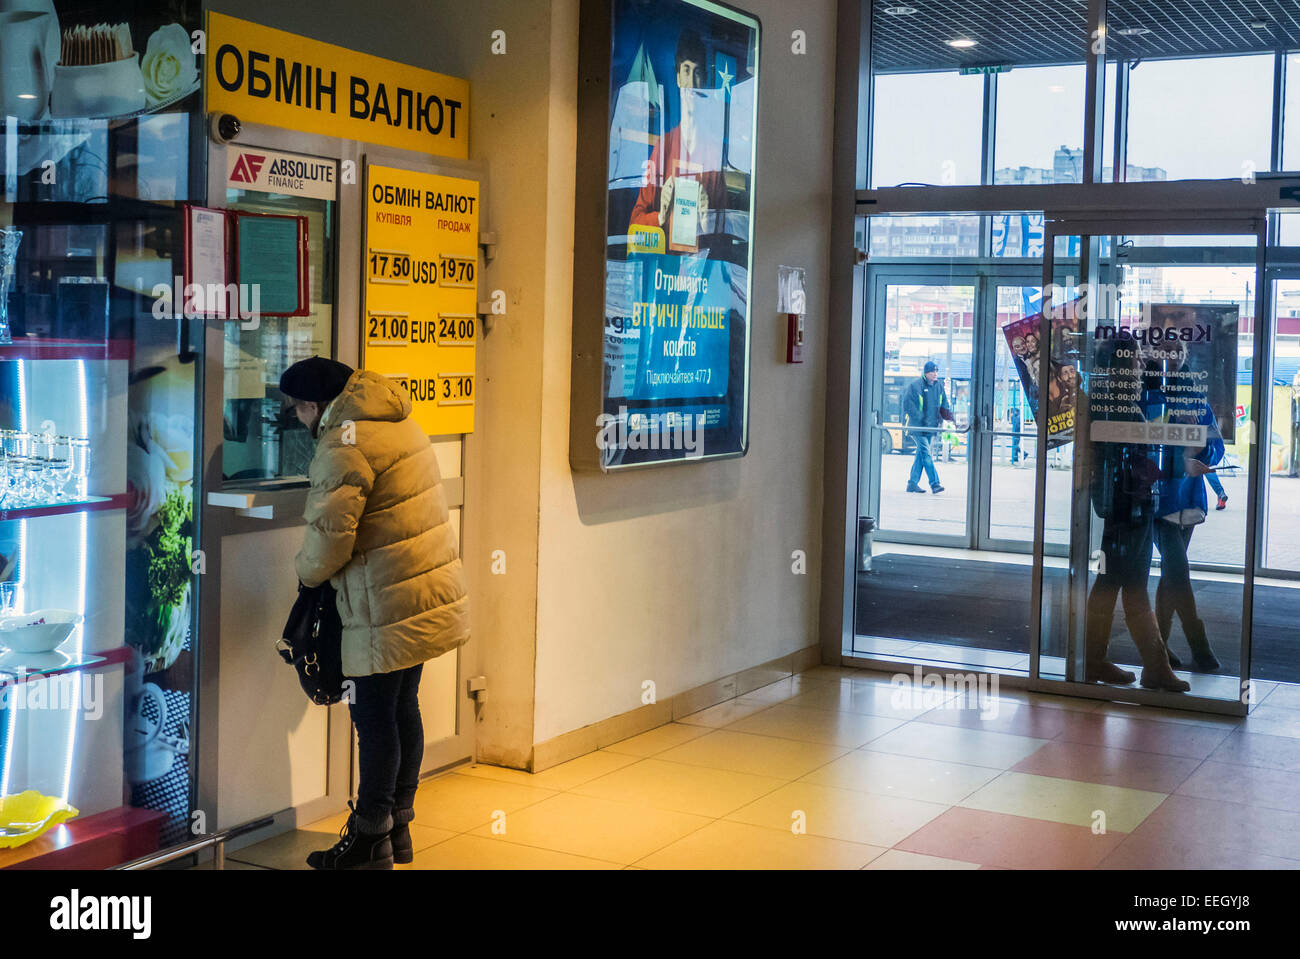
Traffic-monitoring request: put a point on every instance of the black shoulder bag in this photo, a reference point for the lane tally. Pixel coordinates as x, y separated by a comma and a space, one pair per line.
313, 643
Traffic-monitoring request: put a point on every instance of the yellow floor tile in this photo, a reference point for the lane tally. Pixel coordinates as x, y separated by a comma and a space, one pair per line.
1065, 801
229, 864
289, 850
475, 852
679, 787
815, 725
561, 777
733, 845
783, 689
839, 813
657, 740
757, 755
1076, 703
723, 714
957, 744
897, 859
904, 776
459, 803
831, 673
595, 828
872, 699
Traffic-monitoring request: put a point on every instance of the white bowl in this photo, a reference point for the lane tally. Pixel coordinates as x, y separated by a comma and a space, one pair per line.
38, 632
98, 90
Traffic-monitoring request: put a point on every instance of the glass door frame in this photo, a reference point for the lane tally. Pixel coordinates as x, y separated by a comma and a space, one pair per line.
985, 278
1091, 226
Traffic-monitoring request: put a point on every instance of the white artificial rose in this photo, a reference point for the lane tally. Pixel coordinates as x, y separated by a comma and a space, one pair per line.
174, 437
146, 488
168, 65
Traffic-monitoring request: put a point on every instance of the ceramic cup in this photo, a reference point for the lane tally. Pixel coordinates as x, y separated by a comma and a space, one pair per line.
26, 69
99, 90
142, 733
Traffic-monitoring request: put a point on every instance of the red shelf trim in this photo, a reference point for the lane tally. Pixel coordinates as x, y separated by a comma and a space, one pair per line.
35, 348
116, 501
107, 658
92, 842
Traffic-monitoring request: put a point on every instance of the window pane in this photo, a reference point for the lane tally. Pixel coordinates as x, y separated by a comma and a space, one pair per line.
898, 237
927, 129
1203, 118
1039, 135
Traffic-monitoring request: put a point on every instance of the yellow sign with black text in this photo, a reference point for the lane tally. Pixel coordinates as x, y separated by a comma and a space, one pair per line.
421, 291
283, 80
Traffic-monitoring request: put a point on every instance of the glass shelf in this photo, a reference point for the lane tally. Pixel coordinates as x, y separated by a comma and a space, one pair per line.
42, 348
86, 505
18, 667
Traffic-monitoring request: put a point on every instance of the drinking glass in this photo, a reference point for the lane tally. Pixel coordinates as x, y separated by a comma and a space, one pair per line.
79, 447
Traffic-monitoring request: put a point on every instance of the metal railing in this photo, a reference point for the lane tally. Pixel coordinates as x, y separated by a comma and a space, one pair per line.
216, 842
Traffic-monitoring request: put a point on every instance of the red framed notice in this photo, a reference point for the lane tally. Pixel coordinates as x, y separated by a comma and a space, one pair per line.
270, 264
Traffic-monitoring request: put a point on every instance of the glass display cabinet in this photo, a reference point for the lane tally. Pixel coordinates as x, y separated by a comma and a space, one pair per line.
97, 435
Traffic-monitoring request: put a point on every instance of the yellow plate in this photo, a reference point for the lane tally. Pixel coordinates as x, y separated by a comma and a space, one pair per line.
27, 815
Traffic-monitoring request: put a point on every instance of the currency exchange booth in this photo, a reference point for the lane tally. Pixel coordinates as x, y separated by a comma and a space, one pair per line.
339, 195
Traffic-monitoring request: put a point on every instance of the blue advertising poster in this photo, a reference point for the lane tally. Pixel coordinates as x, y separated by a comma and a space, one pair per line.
680, 205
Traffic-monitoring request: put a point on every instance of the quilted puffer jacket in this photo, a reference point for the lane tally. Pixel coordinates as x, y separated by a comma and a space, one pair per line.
377, 528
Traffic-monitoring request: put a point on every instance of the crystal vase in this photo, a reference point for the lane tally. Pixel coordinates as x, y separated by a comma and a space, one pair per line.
9, 240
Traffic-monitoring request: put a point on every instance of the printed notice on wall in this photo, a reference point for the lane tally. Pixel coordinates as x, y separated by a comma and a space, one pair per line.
420, 320
1168, 381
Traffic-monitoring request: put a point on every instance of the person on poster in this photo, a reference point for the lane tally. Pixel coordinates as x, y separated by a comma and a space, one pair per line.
688, 156
925, 406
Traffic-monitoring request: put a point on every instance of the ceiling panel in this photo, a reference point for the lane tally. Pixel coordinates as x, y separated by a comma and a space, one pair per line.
1023, 32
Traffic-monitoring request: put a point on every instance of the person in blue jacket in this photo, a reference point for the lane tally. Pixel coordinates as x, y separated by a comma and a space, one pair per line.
1182, 506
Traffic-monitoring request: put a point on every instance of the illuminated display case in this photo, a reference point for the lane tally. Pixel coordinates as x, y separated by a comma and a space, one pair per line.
98, 557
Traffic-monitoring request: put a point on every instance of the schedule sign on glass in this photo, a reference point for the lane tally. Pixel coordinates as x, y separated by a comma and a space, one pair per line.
421, 291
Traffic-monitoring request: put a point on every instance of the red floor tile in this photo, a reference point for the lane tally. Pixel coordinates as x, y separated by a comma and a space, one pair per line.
1275, 788
1150, 851
1223, 825
1120, 732
1109, 767
1020, 719
1012, 842
1256, 749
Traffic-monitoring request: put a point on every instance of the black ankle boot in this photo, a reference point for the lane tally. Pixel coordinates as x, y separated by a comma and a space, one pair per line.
400, 835
355, 849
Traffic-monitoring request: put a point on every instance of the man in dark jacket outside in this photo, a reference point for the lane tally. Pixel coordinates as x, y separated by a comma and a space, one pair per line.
925, 406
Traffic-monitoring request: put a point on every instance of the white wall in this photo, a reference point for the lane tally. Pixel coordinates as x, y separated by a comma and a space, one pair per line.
682, 575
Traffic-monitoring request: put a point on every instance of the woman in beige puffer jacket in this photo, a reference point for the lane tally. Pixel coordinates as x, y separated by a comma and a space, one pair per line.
378, 530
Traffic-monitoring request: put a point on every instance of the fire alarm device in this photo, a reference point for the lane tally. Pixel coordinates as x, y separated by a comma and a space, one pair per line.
794, 338
792, 301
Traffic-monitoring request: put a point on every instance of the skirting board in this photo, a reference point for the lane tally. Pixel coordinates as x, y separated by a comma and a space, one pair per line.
636, 721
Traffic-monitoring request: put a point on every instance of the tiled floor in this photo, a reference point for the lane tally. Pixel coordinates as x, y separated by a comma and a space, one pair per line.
831, 770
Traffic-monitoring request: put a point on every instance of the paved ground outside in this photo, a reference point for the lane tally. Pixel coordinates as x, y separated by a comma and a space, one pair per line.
1221, 539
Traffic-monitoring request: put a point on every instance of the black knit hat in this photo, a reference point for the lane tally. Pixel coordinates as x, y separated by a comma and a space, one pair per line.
317, 379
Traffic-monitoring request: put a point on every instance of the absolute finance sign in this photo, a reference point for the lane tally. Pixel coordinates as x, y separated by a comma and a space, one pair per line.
268, 171
283, 80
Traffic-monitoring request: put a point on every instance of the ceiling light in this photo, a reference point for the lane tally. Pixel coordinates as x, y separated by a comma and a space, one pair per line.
1133, 31
900, 11
1259, 24
26, 96
962, 44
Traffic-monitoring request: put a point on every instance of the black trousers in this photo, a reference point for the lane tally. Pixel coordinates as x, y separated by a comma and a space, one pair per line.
390, 739
1127, 548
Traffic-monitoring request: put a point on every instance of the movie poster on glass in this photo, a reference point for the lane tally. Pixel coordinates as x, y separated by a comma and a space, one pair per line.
1062, 386
679, 212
